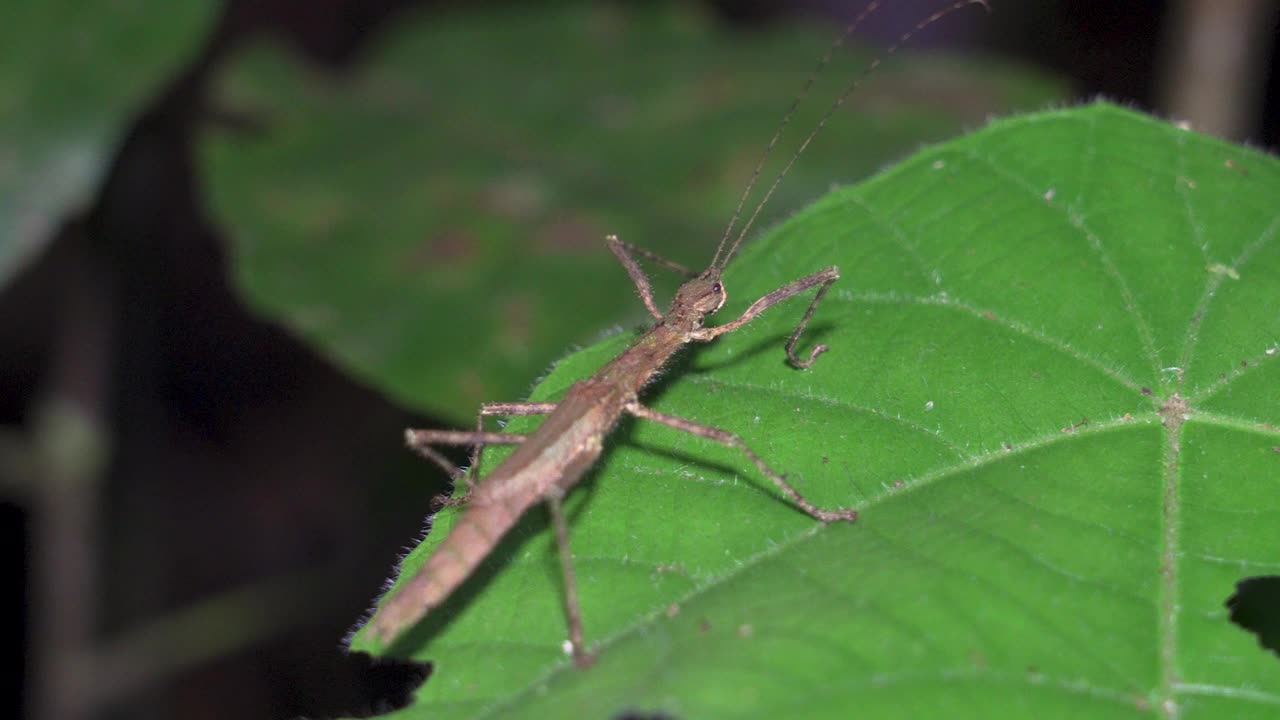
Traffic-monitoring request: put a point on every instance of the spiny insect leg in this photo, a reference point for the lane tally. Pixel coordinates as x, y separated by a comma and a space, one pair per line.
822, 278
724, 437
420, 441
502, 409
572, 611
623, 250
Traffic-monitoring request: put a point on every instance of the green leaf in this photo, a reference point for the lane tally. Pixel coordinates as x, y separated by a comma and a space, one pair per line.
1052, 392
434, 221
72, 74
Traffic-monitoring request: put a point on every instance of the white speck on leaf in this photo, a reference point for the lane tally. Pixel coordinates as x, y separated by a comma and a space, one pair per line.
1220, 269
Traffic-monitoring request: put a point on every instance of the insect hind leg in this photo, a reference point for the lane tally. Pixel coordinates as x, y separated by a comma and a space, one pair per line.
572, 610
421, 441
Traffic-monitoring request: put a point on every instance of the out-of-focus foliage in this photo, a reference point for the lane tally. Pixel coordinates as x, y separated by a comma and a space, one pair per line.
72, 76
434, 220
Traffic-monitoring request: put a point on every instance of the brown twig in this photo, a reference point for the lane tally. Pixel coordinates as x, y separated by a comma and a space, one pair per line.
1214, 63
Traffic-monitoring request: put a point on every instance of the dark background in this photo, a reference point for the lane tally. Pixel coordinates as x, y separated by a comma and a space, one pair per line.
241, 461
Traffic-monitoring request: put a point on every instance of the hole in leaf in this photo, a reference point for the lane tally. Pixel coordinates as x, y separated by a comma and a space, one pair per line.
357, 685
1255, 606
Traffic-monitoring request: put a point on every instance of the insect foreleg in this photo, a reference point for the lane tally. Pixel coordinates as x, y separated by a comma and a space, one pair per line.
623, 250
653, 256
724, 437
823, 279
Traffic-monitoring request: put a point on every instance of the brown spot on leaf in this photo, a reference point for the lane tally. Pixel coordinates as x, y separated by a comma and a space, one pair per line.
569, 234
734, 172
519, 197
449, 248
1076, 426
473, 387
515, 316
612, 111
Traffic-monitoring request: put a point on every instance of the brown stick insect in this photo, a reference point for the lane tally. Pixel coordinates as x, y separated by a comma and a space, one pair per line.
551, 460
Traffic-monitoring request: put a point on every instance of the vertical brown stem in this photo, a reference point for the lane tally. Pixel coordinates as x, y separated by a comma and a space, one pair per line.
71, 441
1214, 55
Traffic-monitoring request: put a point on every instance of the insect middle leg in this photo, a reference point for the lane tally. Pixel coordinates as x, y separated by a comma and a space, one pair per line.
724, 437
420, 441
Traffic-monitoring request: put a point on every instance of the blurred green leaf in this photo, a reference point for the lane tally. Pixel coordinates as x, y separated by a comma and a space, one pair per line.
434, 221
1052, 391
72, 74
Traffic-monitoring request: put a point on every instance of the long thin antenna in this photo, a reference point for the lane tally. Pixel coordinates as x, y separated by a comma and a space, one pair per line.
853, 85
791, 111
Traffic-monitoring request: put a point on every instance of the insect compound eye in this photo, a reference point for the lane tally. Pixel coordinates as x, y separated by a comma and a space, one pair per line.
717, 288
